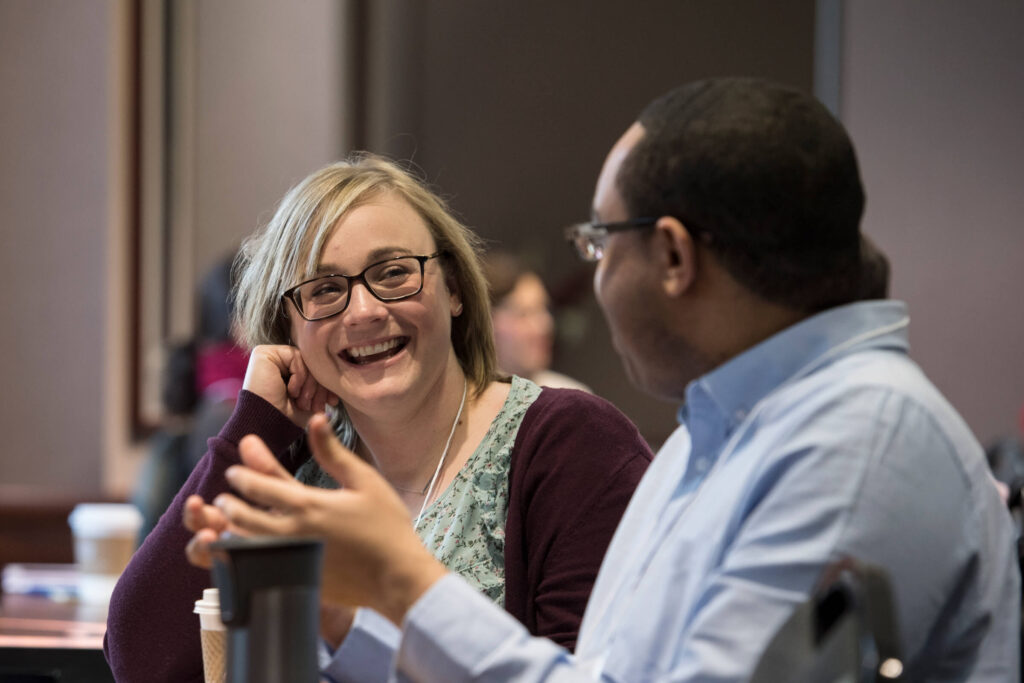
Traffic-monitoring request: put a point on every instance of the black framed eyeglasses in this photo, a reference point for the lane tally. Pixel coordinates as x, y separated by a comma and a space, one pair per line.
589, 238
392, 279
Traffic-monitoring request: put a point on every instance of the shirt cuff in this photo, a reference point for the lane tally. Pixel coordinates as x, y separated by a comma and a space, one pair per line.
452, 631
367, 652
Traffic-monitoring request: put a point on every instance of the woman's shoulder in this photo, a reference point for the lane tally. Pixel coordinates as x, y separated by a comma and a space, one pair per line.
556, 380
557, 402
563, 423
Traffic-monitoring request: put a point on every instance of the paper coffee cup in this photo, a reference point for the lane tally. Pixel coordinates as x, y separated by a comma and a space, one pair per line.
214, 637
104, 536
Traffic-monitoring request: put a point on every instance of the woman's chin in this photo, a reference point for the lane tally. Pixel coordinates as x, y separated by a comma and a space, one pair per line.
383, 390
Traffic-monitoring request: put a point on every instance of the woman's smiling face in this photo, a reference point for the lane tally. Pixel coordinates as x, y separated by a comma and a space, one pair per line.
374, 351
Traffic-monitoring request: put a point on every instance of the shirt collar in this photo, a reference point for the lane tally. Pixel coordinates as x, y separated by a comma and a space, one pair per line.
734, 388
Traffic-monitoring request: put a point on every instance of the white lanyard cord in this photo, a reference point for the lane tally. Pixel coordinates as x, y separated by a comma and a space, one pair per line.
444, 454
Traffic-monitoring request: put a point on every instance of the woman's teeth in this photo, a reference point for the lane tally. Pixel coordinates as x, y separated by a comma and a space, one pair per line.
370, 352
361, 351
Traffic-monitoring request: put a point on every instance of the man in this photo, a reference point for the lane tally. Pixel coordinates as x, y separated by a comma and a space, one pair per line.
733, 276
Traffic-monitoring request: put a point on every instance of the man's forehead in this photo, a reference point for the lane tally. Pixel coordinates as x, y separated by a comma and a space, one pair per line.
606, 192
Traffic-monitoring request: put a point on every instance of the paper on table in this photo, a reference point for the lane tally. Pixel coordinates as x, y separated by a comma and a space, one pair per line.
54, 581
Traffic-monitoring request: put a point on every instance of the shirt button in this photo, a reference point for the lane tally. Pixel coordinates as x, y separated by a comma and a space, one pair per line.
740, 415
701, 465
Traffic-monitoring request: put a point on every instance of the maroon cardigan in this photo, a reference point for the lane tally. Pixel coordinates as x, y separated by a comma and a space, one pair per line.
574, 465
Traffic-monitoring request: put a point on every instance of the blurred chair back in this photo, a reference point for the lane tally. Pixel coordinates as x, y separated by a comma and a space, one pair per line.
847, 632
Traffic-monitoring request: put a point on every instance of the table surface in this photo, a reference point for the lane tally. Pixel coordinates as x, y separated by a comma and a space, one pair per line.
42, 639
31, 621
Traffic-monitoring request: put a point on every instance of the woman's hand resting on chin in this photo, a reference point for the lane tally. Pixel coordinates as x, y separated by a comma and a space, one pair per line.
277, 374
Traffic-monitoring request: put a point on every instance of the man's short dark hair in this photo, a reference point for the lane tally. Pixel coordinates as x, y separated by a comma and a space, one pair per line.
768, 175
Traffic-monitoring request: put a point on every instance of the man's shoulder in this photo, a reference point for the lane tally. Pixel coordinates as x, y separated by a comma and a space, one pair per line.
884, 386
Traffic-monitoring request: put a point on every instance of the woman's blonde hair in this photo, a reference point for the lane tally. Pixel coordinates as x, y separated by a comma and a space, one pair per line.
288, 248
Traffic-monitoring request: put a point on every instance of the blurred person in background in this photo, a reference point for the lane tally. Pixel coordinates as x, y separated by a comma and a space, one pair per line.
200, 384
524, 328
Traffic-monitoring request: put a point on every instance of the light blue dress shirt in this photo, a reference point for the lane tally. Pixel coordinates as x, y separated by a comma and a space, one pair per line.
823, 441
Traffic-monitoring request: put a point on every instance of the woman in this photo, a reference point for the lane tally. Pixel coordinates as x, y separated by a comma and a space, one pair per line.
524, 329
516, 488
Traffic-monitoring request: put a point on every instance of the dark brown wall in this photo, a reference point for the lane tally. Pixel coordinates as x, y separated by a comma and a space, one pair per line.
510, 108
932, 95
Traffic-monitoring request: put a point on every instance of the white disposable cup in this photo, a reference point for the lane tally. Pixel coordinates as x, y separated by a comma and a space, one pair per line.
104, 536
213, 636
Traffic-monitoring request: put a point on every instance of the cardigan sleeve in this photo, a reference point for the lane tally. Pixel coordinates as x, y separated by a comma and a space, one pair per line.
152, 635
575, 464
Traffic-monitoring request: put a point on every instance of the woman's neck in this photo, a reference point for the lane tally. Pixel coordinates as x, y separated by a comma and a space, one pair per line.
406, 446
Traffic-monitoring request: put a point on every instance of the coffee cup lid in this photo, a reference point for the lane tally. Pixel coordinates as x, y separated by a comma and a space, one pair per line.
101, 519
210, 602
208, 609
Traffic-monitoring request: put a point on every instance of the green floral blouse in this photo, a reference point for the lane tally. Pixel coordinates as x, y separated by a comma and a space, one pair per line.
465, 526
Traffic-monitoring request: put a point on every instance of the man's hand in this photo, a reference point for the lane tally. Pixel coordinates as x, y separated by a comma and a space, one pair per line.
206, 522
335, 623
372, 556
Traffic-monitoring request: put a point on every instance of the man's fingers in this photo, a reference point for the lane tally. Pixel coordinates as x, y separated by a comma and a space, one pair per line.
192, 515
256, 455
198, 549
335, 459
335, 622
250, 520
264, 489
198, 515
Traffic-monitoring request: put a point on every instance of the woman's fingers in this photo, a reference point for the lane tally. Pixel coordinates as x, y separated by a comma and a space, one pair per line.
278, 374
302, 386
265, 376
321, 399
300, 393
311, 393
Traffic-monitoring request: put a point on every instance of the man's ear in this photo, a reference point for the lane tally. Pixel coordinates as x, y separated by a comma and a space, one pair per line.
675, 255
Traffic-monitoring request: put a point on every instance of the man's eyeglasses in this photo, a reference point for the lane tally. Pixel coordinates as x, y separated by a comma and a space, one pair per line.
392, 279
589, 238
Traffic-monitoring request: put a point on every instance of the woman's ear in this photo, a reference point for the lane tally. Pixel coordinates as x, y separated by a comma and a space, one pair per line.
290, 326
675, 256
454, 298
